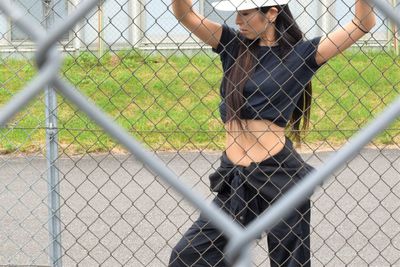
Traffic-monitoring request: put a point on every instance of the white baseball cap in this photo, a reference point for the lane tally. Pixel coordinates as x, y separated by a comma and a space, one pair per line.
236, 5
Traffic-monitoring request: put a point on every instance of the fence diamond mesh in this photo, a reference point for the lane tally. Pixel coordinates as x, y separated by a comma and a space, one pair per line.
76, 187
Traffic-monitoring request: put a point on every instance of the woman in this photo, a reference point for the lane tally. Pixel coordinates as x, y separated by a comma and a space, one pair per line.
266, 85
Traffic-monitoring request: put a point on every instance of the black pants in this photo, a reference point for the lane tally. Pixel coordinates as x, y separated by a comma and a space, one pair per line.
263, 183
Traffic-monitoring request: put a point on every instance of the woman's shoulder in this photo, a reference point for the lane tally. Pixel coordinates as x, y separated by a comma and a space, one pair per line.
307, 43
229, 39
306, 49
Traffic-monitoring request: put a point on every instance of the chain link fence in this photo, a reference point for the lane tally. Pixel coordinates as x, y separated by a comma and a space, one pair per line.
72, 195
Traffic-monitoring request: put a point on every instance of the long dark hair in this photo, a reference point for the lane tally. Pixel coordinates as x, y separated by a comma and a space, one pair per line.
288, 33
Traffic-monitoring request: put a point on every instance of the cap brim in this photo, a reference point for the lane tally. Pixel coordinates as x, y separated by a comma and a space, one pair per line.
227, 5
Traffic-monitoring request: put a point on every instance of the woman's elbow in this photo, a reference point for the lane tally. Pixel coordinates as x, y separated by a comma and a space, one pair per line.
370, 22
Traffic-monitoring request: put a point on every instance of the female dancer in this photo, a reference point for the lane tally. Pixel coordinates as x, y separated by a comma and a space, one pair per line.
266, 86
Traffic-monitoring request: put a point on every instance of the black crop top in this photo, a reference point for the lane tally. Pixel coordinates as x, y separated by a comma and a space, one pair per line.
275, 87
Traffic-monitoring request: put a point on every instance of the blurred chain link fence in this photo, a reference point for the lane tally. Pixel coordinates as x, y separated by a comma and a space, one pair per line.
160, 83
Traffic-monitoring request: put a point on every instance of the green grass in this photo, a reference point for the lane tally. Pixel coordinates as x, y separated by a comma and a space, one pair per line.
171, 102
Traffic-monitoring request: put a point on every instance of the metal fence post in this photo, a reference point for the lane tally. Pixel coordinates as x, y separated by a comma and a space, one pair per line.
395, 29
52, 153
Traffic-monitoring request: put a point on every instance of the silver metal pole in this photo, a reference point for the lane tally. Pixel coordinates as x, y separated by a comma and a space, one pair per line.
395, 30
245, 258
52, 154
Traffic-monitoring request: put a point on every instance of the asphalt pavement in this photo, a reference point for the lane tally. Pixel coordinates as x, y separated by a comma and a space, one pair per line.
114, 212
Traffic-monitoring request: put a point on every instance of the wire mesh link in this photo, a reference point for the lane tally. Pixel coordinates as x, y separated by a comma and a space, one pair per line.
132, 59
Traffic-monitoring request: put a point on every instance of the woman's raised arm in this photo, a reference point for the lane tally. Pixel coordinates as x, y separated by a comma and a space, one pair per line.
339, 40
208, 31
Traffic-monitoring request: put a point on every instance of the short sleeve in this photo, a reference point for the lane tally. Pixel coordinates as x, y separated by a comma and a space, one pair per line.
308, 51
227, 41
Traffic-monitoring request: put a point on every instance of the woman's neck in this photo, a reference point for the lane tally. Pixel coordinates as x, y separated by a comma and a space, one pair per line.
268, 38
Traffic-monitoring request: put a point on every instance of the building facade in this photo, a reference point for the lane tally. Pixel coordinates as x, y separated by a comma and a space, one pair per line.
150, 24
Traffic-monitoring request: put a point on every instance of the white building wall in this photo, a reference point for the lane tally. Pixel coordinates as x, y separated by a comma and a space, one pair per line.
113, 23
314, 18
151, 24
4, 29
160, 25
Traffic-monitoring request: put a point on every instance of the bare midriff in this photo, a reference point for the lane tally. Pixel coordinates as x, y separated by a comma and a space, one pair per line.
259, 140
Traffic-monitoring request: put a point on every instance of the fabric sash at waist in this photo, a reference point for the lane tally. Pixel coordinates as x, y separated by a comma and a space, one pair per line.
280, 170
